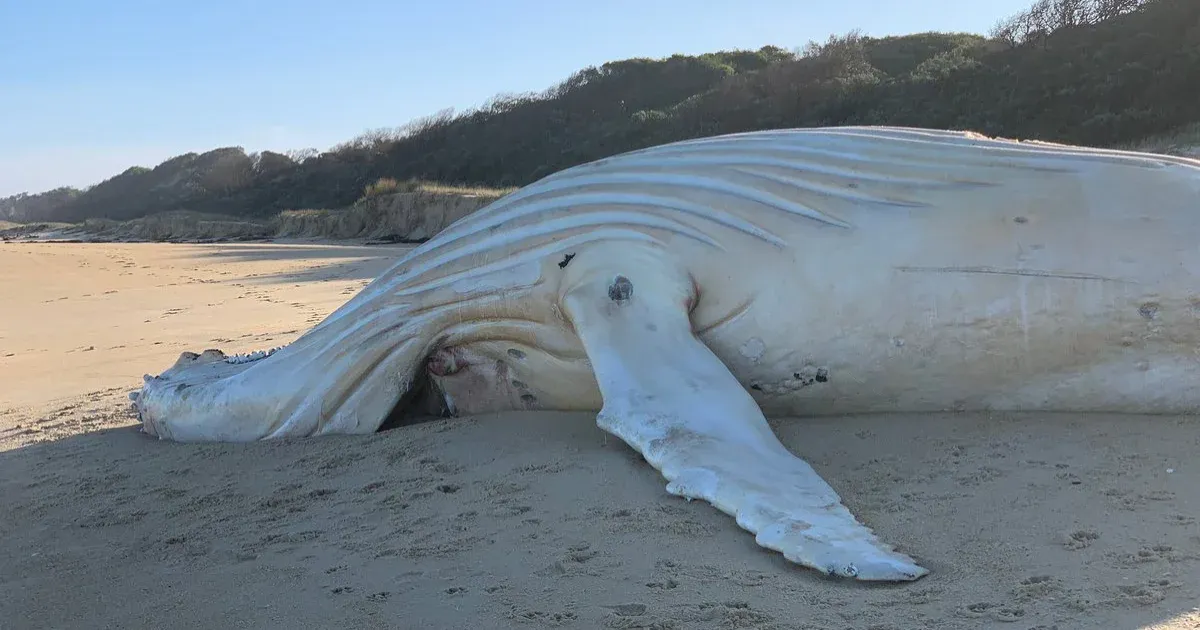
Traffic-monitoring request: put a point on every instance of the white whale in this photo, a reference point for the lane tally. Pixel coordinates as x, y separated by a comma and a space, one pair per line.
684, 290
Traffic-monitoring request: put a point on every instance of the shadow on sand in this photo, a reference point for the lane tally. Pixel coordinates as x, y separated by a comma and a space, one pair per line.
341, 262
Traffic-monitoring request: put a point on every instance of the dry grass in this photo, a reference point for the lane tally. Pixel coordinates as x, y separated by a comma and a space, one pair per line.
1184, 141
307, 213
382, 186
466, 191
391, 186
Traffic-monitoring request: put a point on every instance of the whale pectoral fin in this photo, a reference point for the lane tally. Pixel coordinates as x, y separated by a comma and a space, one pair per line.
669, 397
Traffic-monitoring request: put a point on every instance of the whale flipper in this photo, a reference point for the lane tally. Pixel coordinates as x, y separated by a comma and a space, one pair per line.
668, 396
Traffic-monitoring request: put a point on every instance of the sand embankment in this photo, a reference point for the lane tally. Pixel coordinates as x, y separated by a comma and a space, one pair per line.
408, 217
403, 217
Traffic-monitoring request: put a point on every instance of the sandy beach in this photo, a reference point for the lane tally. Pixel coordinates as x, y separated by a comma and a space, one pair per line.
514, 520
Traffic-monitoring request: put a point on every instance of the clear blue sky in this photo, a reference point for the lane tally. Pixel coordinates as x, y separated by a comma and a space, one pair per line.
89, 88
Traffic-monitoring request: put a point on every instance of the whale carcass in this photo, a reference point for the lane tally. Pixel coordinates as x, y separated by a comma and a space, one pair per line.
685, 290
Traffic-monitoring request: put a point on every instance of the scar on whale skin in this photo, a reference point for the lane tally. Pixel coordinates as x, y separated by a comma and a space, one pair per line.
753, 349
620, 290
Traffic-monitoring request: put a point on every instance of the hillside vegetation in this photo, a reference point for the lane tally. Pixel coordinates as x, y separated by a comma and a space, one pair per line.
1096, 72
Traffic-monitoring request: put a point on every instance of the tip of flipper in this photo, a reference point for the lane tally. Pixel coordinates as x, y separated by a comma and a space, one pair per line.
874, 564
890, 570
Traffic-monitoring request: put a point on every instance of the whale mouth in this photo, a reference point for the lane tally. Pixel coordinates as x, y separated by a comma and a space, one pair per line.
212, 379
423, 402
348, 381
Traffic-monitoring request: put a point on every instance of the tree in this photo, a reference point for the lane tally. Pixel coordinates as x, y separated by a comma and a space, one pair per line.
1045, 17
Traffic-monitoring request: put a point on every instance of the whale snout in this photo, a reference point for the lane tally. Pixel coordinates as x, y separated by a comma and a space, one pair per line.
146, 421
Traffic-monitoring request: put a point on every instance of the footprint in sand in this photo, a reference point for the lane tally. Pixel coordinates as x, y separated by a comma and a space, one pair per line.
988, 610
1145, 555
1037, 587
1181, 519
1079, 539
1149, 592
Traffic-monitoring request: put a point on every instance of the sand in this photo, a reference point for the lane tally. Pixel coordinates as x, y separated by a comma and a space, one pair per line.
516, 520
